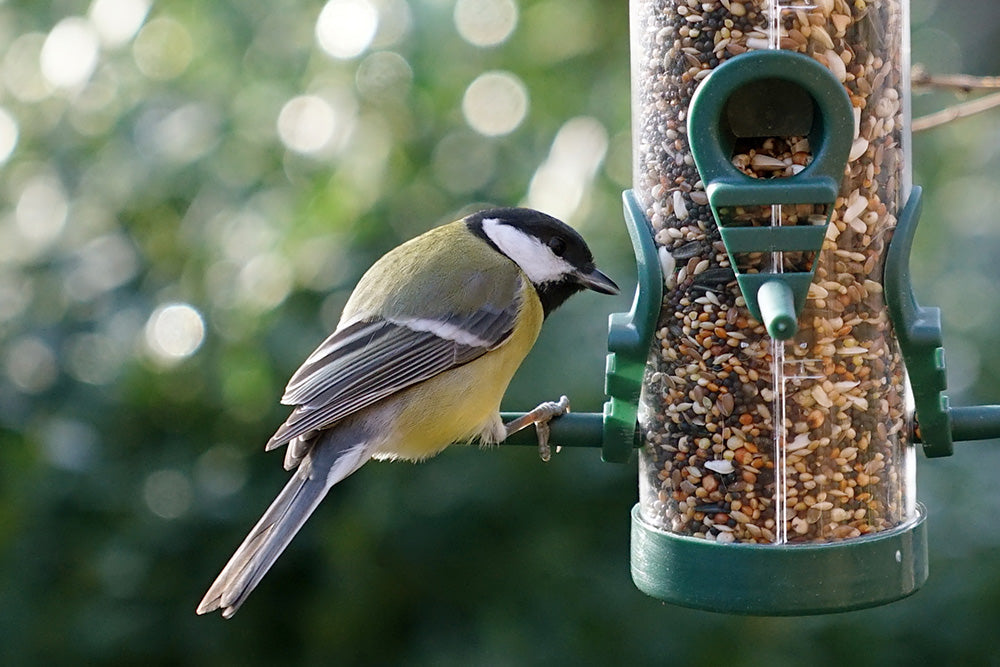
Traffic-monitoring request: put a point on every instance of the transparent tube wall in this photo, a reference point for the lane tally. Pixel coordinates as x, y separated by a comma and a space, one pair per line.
746, 439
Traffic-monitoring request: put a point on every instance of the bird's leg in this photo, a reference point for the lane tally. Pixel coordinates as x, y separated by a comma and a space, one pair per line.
540, 417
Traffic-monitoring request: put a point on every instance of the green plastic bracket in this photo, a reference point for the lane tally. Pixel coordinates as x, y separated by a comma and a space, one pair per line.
918, 329
767, 94
629, 337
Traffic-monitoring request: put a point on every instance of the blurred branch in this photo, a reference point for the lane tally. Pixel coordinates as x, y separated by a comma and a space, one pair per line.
920, 78
963, 83
949, 114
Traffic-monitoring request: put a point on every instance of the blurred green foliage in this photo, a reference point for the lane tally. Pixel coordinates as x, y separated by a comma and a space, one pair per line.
189, 190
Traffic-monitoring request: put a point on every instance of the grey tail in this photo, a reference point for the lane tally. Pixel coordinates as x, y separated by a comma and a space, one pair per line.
336, 454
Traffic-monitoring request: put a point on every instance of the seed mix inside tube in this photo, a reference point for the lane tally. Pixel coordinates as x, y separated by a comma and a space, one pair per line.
748, 440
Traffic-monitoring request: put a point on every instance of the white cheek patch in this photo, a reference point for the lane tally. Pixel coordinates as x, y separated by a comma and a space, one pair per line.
537, 261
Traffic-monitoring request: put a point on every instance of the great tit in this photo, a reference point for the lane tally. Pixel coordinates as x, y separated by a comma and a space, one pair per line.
425, 348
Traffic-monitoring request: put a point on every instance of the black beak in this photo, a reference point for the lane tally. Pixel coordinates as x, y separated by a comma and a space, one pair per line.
596, 281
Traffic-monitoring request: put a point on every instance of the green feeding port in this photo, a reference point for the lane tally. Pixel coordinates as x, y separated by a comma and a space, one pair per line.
776, 302
771, 94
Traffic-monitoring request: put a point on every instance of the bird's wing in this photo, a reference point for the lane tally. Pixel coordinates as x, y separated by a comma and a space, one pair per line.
374, 357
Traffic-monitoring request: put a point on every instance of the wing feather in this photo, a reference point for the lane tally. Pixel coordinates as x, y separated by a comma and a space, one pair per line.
368, 360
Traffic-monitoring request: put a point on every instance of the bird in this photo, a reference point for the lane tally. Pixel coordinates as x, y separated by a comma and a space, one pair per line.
423, 353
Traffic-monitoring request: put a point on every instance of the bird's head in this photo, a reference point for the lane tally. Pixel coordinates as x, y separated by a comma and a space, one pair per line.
552, 254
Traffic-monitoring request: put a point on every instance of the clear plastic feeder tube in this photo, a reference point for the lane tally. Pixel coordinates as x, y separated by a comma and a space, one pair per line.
747, 439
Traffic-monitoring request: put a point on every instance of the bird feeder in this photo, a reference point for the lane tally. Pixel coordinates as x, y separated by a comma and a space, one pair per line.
774, 355
772, 162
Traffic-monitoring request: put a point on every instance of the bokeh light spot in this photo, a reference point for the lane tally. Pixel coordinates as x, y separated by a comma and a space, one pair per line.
265, 281
69, 54
495, 103
181, 135
384, 75
41, 210
16, 291
485, 22
8, 134
163, 49
345, 28
31, 365
167, 493
174, 331
97, 106
69, 444
221, 470
101, 265
22, 73
306, 123
464, 161
93, 358
561, 181
395, 18
117, 21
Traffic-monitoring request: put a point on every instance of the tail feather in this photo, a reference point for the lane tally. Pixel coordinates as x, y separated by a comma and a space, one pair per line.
334, 457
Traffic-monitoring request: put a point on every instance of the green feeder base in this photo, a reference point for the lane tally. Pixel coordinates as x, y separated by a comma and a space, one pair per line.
771, 580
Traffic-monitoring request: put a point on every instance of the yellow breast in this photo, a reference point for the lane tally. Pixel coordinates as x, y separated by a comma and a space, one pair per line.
464, 402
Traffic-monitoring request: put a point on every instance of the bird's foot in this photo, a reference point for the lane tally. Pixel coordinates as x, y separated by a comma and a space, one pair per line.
540, 417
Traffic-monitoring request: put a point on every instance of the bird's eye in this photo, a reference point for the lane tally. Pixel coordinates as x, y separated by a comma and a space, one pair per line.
557, 246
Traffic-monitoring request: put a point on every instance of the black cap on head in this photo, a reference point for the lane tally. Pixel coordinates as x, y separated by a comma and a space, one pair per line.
553, 255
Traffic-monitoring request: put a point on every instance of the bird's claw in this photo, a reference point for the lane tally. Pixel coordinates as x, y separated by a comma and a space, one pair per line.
540, 417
